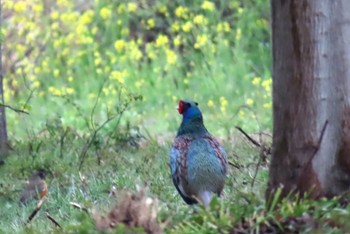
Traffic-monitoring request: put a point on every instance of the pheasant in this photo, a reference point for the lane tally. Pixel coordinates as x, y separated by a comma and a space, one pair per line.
198, 162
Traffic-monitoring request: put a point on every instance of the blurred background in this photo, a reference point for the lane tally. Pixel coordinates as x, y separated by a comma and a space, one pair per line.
74, 64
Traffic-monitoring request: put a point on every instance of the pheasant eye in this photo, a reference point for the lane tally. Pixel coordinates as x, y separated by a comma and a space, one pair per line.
180, 108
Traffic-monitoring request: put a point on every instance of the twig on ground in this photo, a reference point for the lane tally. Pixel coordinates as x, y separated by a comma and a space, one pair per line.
37, 208
52, 220
76, 205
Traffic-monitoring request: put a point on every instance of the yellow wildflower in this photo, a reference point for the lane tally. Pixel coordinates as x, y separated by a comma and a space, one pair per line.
38, 8
70, 90
210, 103
70, 79
181, 12
199, 19
171, 57
91, 96
207, 5
249, 102
162, 40
267, 105
56, 73
86, 18
119, 45
54, 15
19, 6
187, 27
132, 7
120, 9
177, 40
36, 84
256, 80
151, 23
201, 41
105, 13
175, 27
267, 84
238, 34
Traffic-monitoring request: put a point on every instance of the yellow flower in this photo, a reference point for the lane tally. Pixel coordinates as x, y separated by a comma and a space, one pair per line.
162, 40
54, 15
105, 13
56, 73
181, 12
186, 81
38, 8
135, 54
151, 23
199, 19
163, 10
207, 5
201, 41
119, 45
70, 90
187, 27
20, 6
70, 79
224, 103
86, 18
132, 7
119, 76
238, 34
175, 27
223, 27
256, 80
120, 9
36, 84
267, 84
249, 102
171, 57
267, 105
91, 96
210, 103
177, 40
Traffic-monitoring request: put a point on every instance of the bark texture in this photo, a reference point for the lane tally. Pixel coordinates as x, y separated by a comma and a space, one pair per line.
311, 99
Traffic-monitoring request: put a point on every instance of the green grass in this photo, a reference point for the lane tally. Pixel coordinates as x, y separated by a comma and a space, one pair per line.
125, 168
242, 206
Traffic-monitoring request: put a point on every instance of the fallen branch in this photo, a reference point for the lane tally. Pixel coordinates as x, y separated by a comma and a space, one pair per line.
52, 220
37, 208
76, 205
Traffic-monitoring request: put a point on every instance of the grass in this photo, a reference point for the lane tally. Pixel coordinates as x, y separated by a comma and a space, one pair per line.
125, 168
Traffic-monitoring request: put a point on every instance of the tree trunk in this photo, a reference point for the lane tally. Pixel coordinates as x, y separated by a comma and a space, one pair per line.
4, 147
311, 97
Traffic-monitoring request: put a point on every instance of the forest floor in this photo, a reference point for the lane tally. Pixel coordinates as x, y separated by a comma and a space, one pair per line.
133, 180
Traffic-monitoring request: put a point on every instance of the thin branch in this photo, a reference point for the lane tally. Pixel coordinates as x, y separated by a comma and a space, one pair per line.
95, 105
52, 220
76, 205
14, 109
91, 140
257, 144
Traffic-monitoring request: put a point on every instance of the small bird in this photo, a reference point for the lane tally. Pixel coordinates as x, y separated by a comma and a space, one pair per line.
198, 162
35, 189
